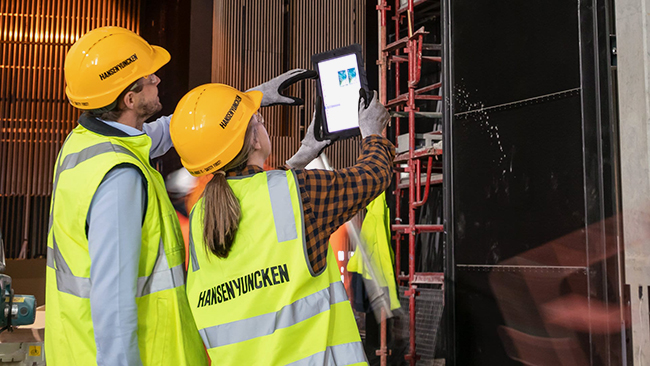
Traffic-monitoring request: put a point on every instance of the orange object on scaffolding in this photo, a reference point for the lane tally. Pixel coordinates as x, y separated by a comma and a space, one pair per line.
408, 49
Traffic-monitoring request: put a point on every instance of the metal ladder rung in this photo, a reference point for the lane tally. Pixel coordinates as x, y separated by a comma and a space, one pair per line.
434, 115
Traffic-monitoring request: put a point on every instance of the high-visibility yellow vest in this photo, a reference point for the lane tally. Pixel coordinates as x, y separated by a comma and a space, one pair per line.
166, 333
375, 232
263, 305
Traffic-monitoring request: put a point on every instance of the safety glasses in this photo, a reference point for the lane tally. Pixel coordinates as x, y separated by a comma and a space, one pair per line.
148, 79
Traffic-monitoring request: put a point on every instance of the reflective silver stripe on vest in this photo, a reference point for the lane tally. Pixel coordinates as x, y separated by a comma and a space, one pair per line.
195, 261
73, 285
305, 252
50, 257
265, 324
65, 280
72, 160
162, 277
285, 221
56, 181
341, 354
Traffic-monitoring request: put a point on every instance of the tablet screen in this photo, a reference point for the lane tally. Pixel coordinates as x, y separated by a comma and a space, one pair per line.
340, 84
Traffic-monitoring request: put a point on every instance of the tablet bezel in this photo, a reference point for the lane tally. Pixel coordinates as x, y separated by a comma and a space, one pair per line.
356, 50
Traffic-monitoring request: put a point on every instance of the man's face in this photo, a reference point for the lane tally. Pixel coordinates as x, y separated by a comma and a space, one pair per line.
146, 101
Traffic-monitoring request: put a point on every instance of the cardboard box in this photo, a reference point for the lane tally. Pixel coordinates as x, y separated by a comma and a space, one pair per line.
28, 277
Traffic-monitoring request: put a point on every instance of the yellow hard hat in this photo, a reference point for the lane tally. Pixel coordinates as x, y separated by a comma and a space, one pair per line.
106, 60
209, 125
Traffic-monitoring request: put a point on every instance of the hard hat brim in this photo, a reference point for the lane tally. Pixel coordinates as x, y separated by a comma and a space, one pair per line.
161, 58
256, 97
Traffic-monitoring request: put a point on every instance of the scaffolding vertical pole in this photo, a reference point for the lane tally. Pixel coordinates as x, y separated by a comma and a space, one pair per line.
383, 351
412, 179
383, 7
383, 65
405, 51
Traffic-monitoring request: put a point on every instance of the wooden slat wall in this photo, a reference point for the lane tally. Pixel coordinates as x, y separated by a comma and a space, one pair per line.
35, 116
254, 41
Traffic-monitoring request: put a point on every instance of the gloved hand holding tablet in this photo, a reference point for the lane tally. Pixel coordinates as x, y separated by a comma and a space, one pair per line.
341, 75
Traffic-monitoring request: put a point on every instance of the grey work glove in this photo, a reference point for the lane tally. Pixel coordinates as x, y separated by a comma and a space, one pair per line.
309, 149
373, 116
272, 89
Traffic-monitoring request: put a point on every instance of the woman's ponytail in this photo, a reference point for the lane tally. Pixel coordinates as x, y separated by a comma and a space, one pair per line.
221, 206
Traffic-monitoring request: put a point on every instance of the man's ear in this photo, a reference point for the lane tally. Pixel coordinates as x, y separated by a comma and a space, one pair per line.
129, 100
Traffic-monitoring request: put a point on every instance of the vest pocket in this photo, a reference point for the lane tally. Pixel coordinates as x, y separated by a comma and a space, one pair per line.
173, 239
161, 333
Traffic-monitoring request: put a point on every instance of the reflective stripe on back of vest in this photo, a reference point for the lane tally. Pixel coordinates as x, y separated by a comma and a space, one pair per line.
262, 305
164, 336
161, 278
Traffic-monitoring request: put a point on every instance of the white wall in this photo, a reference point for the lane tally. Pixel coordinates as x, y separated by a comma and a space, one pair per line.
632, 33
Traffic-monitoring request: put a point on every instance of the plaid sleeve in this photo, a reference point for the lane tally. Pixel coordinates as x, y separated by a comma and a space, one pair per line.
331, 198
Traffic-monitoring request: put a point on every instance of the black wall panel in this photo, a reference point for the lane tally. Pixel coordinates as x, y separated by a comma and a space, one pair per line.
506, 51
477, 322
518, 179
528, 142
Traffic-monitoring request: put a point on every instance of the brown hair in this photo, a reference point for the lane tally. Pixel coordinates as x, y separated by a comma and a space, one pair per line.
113, 111
221, 207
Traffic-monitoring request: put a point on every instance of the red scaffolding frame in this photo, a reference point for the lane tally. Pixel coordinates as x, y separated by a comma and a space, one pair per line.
408, 49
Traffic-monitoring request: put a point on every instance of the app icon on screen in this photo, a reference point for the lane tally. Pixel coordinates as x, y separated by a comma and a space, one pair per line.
343, 78
352, 74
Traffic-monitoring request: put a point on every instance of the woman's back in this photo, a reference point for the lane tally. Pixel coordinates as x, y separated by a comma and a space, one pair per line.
263, 296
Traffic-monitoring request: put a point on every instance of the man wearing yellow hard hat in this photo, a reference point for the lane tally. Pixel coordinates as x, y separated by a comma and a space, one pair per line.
262, 285
115, 289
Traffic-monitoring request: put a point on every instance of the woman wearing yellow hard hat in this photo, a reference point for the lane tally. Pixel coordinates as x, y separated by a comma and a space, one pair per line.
262, 286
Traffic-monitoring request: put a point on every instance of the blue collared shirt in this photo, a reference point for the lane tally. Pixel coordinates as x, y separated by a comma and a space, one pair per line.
114, 241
